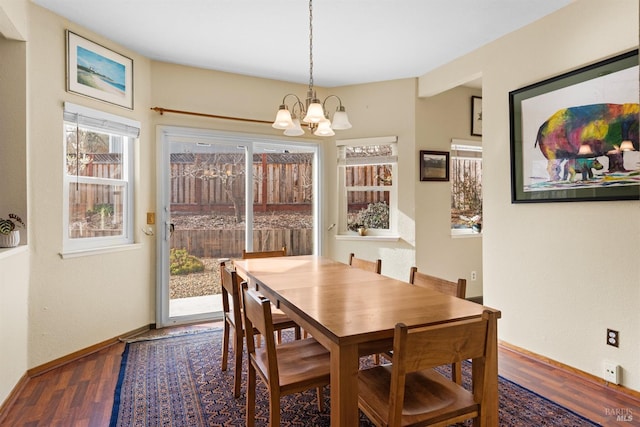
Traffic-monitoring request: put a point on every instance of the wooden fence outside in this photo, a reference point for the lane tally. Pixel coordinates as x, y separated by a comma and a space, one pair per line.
230, 243
198, 186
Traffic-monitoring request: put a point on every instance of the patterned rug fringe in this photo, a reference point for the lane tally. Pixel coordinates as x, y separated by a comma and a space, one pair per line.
157, 334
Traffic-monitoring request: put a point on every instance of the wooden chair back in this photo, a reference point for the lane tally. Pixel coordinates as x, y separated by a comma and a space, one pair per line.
233, 332
291, 367
231, 298
375, 266
264, 254
433, 398
456, 289
257, 315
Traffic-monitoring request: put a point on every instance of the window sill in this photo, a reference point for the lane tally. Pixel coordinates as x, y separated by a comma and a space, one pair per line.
99, 251
7, 252
464, 234
357, 237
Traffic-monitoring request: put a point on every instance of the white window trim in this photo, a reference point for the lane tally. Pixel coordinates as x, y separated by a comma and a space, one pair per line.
99, 120
392, 233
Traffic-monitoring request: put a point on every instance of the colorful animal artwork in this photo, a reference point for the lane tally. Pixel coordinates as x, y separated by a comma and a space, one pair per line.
600, 127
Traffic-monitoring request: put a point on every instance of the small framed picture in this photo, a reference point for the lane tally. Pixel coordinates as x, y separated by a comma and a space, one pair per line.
476, 116
434, 165
98, 72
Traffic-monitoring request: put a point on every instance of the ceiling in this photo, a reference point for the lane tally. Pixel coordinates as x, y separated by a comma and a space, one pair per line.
354, 41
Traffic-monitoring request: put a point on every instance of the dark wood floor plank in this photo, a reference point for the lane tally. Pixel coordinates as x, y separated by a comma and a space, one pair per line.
81, 392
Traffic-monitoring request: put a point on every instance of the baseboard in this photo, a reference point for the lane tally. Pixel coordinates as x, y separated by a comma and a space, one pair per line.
39, 370
11, 398
577, 372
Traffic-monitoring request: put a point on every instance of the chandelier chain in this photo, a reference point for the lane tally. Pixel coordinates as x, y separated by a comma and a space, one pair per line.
312, 112
310, 46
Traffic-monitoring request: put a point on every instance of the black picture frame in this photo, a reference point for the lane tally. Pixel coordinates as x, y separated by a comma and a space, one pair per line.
567, 135
476, 116
434, 165
98, 72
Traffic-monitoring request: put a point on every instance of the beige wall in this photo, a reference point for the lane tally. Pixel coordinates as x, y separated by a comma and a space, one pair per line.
561, 273
76, 303
14, 262
378, 109
440, 119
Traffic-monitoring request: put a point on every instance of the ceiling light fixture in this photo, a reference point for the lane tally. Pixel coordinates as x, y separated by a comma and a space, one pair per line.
312, 111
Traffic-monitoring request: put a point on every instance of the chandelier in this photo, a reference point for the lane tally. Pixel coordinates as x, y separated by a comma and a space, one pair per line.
312, 111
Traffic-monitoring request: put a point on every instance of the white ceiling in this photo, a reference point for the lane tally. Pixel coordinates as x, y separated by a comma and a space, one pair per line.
354, 41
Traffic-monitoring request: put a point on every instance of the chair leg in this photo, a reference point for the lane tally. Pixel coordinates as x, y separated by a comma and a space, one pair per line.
251, 396
320, 399
225, 346
279, 335
297, 332
238, 364
456, 373
274, 409
376, 359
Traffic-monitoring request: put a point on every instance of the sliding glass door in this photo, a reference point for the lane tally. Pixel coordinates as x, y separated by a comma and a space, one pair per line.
221, 193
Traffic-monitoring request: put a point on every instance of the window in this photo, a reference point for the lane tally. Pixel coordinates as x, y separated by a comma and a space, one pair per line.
366, 170
98, 179
466, 188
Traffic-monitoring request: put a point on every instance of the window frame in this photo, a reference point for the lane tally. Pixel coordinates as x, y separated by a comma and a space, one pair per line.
343, 191
128, 131
475, 146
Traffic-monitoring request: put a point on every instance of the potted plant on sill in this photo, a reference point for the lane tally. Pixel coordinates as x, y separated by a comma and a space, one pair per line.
9, 235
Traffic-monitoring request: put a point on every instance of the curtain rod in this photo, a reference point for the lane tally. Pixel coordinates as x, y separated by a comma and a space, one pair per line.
214, 116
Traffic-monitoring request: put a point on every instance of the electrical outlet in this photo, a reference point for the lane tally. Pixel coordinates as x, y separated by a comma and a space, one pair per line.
612, 372
474, 276
613, 337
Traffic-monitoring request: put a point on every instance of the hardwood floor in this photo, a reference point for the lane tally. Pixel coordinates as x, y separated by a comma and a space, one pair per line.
81, 393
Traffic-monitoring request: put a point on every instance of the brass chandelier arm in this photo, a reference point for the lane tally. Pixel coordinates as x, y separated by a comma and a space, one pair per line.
340, 107
162, 110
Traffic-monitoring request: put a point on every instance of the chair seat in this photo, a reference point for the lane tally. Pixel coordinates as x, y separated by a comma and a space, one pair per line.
303, 363
282, 321
429, 397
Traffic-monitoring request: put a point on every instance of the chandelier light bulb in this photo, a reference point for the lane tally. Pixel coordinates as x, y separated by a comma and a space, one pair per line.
341, 120
315, 113
283, 119
295, 130
324, 128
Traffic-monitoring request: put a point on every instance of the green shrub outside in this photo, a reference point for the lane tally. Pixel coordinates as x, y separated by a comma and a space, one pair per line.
183, 263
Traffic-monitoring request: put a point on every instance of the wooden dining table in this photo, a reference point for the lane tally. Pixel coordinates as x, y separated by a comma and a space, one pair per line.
353, 312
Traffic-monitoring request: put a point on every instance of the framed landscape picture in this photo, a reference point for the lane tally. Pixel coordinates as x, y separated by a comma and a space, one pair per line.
574, 137
98, 72
476, 116
434, 165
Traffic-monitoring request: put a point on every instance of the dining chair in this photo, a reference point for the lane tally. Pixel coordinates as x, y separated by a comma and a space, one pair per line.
410, 393
233, 323
288, 368
455, 289
276, 312
375, 266
264, 254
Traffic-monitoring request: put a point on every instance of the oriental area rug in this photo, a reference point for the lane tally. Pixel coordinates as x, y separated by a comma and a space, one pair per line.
177, 382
